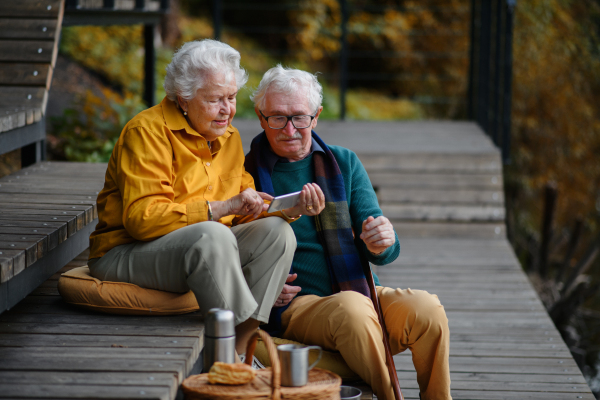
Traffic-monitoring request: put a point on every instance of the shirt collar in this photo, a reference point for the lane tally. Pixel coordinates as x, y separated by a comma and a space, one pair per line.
175, 121
273, 158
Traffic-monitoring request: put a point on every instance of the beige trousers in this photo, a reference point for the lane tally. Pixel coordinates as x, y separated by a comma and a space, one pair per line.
242, 269
347, 322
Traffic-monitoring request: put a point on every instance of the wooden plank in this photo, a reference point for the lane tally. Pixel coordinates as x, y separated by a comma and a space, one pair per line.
19, 96
114, 364
87, 329
25, 75
24, 28
31, 8
26, 51
178, 354
95, 340
438, 212
392, 195
29, 189
517, 378
504, 395
6, 268
52, 234
36, 227
31, 254
85, 378
12, 119
450, 181
84, 391
183, 324
84, 213
78, 218
18, 257
456, 229
70, 220
432, 162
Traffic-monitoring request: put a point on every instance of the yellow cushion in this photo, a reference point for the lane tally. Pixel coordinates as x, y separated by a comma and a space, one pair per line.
330, 361
78, 287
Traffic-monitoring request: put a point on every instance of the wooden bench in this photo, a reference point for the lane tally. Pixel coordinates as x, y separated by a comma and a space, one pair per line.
29, 32
47, 212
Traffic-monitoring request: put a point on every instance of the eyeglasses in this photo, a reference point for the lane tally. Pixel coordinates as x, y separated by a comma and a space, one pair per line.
280, 121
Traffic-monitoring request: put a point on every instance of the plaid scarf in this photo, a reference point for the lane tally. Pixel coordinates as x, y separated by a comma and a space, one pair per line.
334, 225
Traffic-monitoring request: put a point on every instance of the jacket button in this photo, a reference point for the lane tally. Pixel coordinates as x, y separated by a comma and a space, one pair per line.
210, 188
208, 164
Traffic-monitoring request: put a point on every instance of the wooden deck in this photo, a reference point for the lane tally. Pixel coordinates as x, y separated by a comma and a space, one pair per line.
441, 184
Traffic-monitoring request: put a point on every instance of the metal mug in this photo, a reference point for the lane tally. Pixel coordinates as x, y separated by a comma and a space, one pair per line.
294, 363
350, 393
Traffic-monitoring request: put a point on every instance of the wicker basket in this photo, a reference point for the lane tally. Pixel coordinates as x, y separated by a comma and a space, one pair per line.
322, 384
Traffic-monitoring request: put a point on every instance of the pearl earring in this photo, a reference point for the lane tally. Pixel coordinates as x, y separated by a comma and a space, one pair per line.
185, 113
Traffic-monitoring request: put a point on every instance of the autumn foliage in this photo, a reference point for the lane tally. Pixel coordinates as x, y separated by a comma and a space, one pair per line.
556, 111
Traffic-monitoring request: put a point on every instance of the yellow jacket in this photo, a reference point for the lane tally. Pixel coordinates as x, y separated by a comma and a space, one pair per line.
160, 174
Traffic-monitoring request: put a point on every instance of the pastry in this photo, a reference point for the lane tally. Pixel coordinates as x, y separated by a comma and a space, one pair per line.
230, 374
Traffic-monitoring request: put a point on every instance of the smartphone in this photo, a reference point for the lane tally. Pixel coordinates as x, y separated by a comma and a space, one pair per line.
283, 202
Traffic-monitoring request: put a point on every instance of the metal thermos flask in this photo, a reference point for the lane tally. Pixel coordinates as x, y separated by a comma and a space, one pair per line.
219, 337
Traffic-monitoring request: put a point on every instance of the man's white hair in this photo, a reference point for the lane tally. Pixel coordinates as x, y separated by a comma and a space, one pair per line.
195, 61
287, 81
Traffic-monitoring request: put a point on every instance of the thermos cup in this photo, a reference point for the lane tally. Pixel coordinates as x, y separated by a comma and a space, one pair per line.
219, 337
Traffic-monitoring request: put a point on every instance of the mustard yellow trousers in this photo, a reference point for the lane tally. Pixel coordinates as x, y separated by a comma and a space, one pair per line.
347, 322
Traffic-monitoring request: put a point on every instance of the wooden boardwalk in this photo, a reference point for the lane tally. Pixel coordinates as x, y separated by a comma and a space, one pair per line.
441, 185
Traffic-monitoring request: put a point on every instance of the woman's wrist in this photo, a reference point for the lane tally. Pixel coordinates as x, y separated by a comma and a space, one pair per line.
220, 209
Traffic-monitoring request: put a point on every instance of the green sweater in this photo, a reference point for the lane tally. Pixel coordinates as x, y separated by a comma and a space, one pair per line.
309, 260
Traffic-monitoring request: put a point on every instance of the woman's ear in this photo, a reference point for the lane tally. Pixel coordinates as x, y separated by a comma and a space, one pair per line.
182, 103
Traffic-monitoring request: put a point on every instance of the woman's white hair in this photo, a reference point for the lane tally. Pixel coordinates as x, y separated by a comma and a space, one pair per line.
195, 61
287, 81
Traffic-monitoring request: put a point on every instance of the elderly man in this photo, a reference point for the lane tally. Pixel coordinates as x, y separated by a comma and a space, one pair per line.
332, 309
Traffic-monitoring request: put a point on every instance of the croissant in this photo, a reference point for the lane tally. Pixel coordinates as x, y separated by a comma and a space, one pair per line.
230, 374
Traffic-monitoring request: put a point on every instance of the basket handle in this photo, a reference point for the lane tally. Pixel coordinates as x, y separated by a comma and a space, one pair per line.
272, 350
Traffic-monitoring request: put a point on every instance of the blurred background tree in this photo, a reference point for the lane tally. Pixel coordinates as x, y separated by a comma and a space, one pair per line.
556, 138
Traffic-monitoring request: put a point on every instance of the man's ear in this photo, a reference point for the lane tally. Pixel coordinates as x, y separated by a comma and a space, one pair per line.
314, 124
263, 123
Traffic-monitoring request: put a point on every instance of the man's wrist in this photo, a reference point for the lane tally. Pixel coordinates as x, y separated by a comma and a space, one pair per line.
377, 254
288, 217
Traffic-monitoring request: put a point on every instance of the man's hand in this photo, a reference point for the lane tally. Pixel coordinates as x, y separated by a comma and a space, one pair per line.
378, 234
288, 292
311, 202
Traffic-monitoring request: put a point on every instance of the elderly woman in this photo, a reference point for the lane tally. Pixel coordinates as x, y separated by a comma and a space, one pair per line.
176, 193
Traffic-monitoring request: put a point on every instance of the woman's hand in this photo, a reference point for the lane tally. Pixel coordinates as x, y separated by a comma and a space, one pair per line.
248, 202
311, 202
378, 234
288, 293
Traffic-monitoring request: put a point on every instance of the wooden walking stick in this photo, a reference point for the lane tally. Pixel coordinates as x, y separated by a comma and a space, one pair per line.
386, 340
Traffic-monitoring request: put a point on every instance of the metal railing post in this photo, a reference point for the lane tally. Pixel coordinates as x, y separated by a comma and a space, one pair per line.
217, 19
472, 64
149, 64
483, 86
343, 59
509, 18
497, 92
